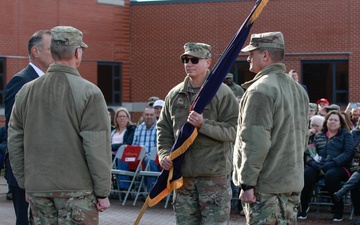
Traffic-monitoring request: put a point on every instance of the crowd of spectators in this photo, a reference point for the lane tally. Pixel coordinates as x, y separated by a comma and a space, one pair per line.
332, 155
125, 132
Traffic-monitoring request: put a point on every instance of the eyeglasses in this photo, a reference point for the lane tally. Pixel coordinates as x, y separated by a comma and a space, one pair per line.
193, 60
314, 125
122, 117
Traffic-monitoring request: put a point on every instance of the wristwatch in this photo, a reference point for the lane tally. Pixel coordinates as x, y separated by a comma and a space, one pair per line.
245, 187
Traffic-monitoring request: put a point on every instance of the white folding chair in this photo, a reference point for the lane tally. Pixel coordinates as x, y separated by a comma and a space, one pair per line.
133, 156
146, 173
168, 199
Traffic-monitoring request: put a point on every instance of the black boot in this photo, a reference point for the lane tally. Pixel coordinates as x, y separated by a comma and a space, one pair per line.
350, 184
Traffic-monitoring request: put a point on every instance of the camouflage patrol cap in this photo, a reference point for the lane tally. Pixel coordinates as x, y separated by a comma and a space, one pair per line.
313, 106
151, 100
229, 75
265, 40
199, 50
67, 36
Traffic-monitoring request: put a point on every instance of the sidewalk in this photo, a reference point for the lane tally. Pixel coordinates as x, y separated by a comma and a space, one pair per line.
157, 215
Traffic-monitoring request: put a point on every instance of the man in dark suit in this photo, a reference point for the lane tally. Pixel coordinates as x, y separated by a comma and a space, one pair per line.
295, 76
40, 58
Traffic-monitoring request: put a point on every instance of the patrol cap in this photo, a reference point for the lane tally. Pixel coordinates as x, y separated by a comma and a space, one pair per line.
199, 50
265, 40
313, 106
229, 75
67, 36
151, 100
333, 107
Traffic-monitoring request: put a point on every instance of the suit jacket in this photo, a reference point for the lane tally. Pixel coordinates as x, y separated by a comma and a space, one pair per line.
15, 84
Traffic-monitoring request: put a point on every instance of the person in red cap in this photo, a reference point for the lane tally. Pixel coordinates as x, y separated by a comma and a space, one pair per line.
322, 104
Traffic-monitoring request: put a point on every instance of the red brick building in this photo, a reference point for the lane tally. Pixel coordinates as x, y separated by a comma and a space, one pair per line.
134, 47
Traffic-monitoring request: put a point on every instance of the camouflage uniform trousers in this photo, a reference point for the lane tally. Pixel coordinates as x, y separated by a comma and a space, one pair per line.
280, 209
64, 208
203, 200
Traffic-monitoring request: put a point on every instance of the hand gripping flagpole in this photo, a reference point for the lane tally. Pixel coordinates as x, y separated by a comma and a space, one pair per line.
169, 180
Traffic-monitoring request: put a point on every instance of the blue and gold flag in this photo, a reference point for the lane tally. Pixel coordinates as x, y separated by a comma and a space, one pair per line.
170, 180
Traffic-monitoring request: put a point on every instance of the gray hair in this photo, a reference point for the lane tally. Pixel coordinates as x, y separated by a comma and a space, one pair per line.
318, 118
276, 54
36, 40
62, 52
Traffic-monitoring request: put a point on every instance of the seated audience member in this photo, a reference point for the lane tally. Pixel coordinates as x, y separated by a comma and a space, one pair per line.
122, 134
322, 112
151, 102
356, 134
145, 135
111, 117
316, 124
322, 103
348, 122
353, 110
332, 107
124, 129
158, 105
313, 109
353, 183
335, 148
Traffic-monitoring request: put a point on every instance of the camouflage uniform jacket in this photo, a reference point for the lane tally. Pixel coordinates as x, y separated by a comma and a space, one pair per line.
211, 152
59, 135
272, 133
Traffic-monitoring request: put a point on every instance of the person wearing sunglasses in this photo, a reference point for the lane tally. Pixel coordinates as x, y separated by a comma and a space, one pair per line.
205, 195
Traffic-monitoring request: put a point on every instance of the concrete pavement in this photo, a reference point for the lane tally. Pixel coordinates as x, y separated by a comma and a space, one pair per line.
157, 215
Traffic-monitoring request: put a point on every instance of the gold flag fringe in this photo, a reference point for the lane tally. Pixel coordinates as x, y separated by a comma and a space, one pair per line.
257, 12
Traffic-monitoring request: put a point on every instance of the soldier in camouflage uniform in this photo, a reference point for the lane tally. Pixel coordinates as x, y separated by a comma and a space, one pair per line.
237, 89
271, 136
205, 195
59, 139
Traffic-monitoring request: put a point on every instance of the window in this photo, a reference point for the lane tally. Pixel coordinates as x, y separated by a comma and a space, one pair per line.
2, 80
327, 79
112, 2
241, 72
109, 81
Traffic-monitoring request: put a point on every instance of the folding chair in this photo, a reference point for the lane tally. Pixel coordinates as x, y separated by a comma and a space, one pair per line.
133, 156
321, 197
168, 199
147, 173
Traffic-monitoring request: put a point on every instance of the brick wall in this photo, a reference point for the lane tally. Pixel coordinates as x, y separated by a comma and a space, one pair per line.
148, 39
106, 30
311, 28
